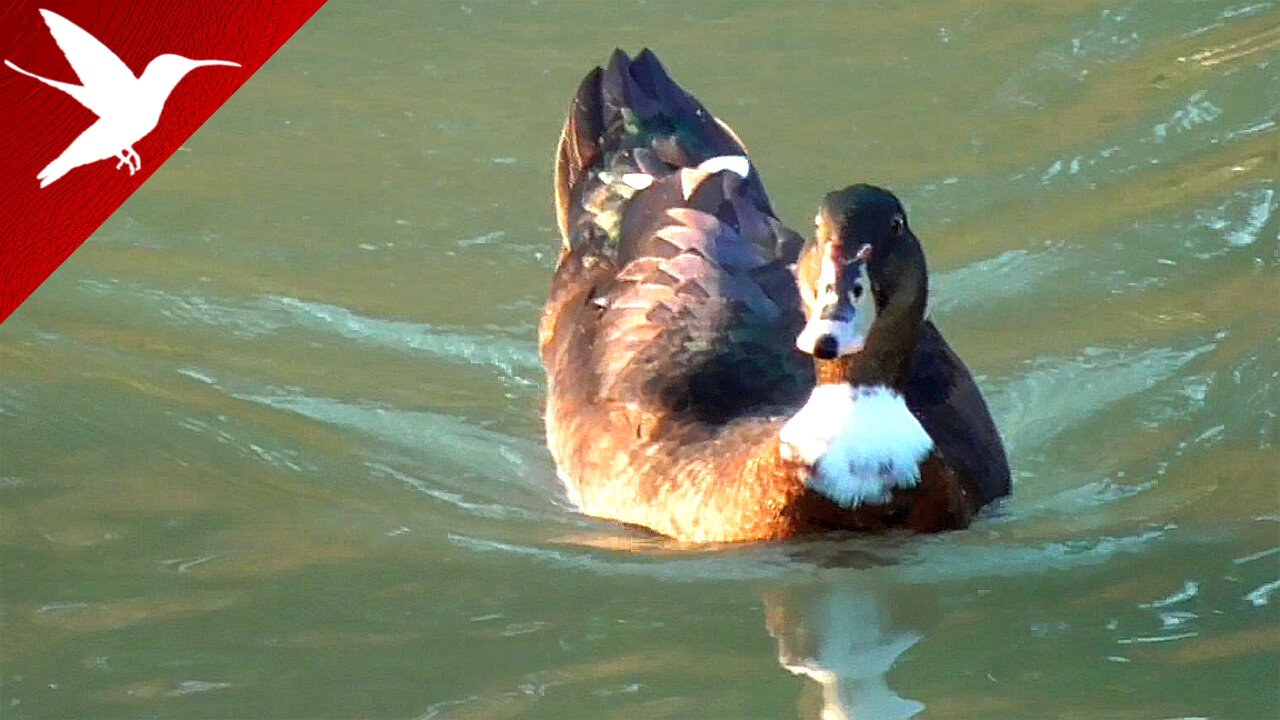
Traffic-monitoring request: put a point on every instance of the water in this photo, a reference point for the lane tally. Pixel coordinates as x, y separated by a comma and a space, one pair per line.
271, 442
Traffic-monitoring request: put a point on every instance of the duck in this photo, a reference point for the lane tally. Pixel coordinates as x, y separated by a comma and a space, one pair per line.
715, 377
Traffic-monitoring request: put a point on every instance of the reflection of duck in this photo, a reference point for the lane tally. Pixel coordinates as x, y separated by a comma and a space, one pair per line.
841, 640
676, 398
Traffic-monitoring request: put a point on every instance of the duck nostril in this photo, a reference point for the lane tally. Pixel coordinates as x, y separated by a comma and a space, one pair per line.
826, 347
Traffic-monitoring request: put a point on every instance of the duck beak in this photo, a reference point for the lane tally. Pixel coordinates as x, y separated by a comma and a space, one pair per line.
842, 311
833, 332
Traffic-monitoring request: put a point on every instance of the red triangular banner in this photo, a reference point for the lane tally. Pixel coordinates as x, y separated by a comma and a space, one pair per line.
85, 157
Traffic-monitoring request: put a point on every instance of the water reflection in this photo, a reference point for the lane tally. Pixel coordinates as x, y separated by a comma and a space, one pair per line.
843, 638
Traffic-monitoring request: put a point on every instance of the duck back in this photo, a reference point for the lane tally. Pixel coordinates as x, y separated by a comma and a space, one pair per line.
684, 306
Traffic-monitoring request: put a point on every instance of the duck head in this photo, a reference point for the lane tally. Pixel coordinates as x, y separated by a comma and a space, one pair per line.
864, 284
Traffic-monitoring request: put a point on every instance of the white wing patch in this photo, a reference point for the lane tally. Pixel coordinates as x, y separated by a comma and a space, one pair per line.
637, 181
736, 164
862, 443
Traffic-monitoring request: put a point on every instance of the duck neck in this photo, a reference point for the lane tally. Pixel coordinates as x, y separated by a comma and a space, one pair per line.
885, 361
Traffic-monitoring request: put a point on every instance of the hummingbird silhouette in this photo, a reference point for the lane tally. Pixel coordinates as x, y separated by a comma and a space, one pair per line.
127, 107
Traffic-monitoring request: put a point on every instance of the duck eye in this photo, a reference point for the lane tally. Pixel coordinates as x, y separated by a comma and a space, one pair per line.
857, 291
897, 224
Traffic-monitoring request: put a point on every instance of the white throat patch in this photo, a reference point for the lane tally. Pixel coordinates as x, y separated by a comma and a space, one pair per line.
861, 443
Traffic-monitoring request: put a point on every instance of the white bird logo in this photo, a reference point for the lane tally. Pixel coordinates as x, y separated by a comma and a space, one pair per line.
127, 107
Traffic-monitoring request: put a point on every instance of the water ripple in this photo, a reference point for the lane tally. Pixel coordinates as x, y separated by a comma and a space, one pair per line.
1009, 274
186, 308
919, 561
493, 511
1058, 393
513, 358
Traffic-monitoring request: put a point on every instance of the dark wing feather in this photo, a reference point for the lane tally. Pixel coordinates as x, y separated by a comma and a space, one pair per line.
696, 321
633, 118
941, 392
577, 150
692, 310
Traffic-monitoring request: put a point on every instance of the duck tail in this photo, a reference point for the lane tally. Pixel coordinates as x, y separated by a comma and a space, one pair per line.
629, 120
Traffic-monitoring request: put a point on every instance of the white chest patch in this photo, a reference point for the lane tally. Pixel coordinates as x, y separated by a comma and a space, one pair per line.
862, 443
